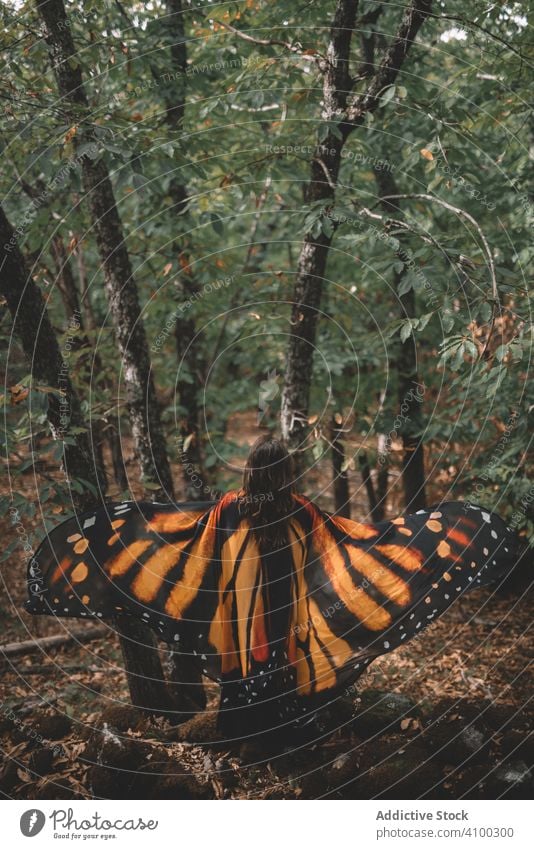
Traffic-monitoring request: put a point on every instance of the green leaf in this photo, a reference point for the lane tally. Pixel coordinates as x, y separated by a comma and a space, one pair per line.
217, 224
406, 283
387, 95
406, 330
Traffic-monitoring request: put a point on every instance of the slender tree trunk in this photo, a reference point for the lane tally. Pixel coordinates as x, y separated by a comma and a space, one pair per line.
187, 287
382, 477
181, 669
65, 280
306, 300
343, 119
118, 277
32, 325
340, 474
146, 678
367, 481
408, 381
69, 294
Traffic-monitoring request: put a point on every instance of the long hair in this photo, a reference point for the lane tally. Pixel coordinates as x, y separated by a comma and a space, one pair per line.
268, 492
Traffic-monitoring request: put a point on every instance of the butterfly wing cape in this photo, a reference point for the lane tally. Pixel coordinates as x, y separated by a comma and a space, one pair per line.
304, 621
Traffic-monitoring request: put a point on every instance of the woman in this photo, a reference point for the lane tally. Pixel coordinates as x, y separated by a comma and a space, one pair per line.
281, 603
266, 504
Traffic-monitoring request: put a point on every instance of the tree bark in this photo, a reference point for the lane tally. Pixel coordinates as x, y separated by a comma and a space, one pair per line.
48, 367
119, 282
340, 475
184, 675
408, 380
311, 266
185, 327
382, 477
343, 119
145, 674
146, 681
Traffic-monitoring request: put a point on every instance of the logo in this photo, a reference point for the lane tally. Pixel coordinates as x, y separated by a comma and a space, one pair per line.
32, 822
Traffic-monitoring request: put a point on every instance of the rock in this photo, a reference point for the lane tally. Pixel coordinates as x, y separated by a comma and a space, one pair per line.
200, 729
501, 717
379, 712
225, 772
108, 747
122, 717
338, 714
518, 745
8, 776
167, 779
448, 708
280, 793
297, 763
512, 780
314, 783
6, 724
454, 742
406, 771
41, 761
344, 770
53, 727
56, 789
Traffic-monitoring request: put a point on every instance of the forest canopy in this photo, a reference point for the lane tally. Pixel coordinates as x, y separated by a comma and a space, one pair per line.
219, 218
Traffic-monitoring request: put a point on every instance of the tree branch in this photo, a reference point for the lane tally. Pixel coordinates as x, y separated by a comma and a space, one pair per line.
412, 20
462, 213
264, 42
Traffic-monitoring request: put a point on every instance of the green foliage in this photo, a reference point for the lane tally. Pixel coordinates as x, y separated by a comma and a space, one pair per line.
454, 127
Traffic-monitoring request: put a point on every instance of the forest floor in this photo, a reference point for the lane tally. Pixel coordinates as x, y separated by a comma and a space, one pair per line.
447, 716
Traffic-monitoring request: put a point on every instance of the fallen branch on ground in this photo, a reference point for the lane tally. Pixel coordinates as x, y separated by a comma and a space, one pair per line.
43, 643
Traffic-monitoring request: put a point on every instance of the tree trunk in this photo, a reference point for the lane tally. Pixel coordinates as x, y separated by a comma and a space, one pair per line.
146, 681
185, 328
382, 477
367, 481
340, 475
306, 300
343, 119
408, 382
32, 325
118, 277
145, 675
65, 280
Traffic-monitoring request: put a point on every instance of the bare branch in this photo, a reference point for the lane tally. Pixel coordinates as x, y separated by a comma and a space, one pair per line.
412, 20
267, 42
463, 214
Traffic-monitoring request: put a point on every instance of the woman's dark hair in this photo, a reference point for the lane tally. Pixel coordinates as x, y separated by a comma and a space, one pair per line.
268, 492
